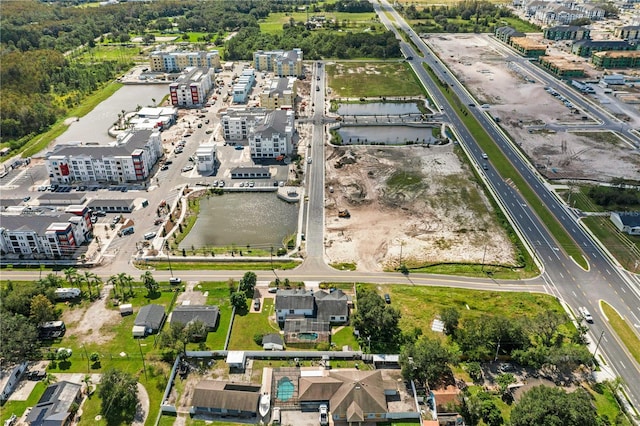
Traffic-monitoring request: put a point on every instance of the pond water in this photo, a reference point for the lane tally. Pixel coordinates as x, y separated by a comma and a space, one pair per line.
94, 126
259, 219
391, 135
379, 108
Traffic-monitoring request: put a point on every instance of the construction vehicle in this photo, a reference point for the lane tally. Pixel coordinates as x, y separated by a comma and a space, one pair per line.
344, 213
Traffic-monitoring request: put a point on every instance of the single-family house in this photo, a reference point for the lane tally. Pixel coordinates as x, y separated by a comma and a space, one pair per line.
225, 398
185, 314
332, 307
149, 320
272, 342
56, 405
300, 303
353, 396
626, 222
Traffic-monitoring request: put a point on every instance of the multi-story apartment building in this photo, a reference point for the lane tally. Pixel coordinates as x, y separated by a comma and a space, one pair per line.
279, 93
566, 32
242, 88
586, 48
192, 87
611, 59
272, 136
629, 32
505, 34
130, 159
45, 235
178, 61
237, 121
281, 63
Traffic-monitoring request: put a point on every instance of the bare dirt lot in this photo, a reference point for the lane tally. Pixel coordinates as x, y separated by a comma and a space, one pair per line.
411, 204
519, 103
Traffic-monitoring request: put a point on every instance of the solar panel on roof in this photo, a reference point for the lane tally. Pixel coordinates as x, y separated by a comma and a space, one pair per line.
48, 393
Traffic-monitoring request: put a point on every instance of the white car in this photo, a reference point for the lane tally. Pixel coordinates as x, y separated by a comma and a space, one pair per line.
585, 314
324, 415
187, 168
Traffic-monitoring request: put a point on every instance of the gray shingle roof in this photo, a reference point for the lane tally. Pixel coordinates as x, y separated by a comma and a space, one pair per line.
331, 304
186, 313
150, 316
53, 407
137, 141
294, 299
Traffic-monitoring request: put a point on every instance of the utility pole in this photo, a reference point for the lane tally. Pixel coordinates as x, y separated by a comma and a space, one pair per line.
497, 349
144, 367
598, 344
87, 355
169, 257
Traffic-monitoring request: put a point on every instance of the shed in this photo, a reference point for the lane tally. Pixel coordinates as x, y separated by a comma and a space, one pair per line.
236, 359
139, 331
126, 309
226, 398
272, 342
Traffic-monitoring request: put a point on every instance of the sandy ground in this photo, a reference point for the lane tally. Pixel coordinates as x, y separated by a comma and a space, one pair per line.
443, 218
520, 104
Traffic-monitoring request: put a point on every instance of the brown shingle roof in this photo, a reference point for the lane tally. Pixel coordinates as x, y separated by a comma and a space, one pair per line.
227, 395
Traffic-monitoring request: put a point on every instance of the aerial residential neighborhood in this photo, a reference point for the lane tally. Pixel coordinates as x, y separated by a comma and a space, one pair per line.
319, 212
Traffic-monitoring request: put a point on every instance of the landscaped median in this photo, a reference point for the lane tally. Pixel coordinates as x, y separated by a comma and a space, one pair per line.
507, 171
623, 330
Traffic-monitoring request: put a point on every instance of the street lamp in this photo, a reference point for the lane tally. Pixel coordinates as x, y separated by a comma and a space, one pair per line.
169, 258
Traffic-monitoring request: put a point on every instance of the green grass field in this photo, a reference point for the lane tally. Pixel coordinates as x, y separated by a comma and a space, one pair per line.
344, 337
348, 21
623, 330
217, 295
419, 306
18, 407
379, 79
248, 325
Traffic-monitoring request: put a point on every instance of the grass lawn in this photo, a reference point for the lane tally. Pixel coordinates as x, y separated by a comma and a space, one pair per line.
219, 266
345, 337
118, 53
18, 407
606, 405
623, 330
218, 294
432, 299
380, 79
248, 325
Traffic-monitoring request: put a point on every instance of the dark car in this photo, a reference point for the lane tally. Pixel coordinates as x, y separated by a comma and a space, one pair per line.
36, 375
387, 298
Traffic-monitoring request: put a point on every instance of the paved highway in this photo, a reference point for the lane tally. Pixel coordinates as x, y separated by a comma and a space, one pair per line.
604, 280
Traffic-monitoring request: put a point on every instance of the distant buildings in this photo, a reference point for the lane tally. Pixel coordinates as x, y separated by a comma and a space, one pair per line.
550, 13
130, 159
630, 32
178, 61
281, 63
191, 88
279, 93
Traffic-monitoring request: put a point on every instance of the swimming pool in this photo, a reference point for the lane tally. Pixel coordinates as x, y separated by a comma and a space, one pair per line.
308, 336
285, 388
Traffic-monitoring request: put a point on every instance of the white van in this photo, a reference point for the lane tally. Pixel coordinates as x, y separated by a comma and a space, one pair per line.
275, 416
149, 235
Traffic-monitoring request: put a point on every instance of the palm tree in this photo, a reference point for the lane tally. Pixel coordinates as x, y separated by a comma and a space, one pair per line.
113, 280
91, 279
149, 282
125, 279
71, 275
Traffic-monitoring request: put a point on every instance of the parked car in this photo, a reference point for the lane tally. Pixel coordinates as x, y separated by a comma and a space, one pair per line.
324, 415
36, 375
387, 298
165, 167
174, 280
187, 168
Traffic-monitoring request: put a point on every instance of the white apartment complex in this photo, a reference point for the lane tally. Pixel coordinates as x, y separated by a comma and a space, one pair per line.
130, 159
192, 87
177, 61
281, 63
272, 137
45, 235
237, 121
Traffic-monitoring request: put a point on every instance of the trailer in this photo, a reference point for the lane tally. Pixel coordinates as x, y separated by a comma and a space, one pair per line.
66, 293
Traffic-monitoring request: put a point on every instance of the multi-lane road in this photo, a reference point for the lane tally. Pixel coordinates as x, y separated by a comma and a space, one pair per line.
605, 280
